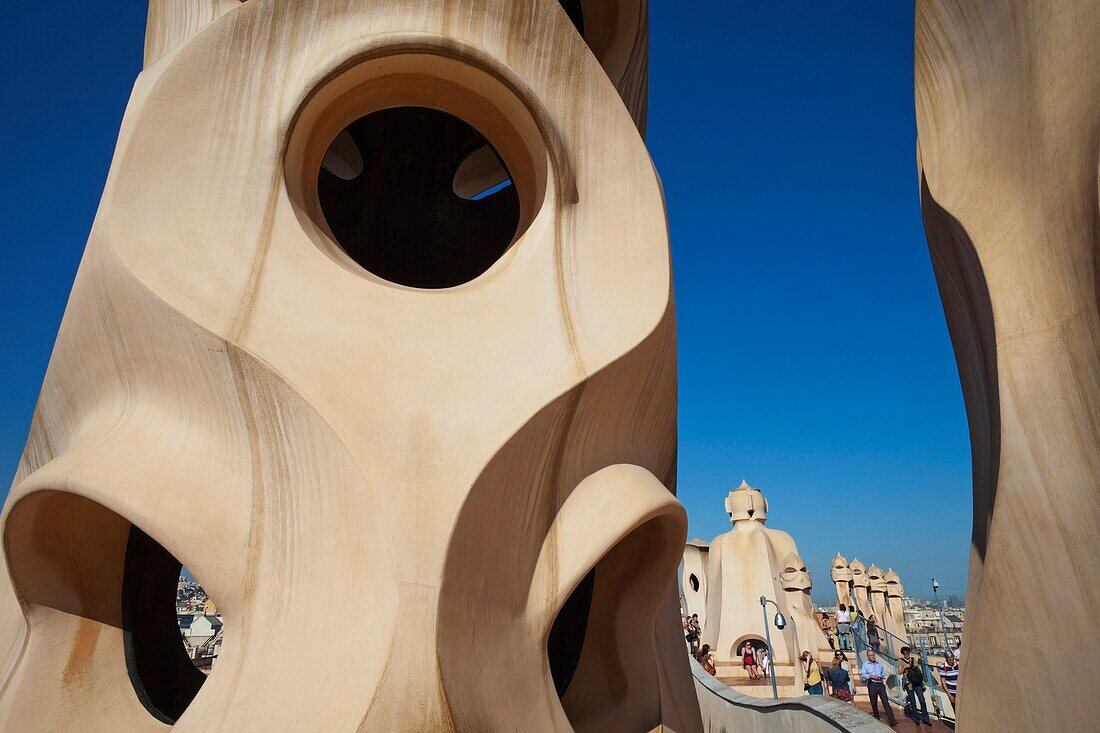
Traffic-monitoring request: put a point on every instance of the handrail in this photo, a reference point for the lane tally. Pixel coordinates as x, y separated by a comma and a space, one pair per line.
860, 646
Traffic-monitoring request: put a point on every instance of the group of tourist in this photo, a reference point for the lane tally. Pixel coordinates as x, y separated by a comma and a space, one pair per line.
755, 661
911, 672
839, 677
910, 668
838, 631
693, 631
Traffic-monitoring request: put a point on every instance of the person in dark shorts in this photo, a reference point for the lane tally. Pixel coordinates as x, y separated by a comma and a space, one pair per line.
748, 661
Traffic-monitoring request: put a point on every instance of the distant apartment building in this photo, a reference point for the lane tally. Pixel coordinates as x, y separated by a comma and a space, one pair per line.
923, 626
200, 624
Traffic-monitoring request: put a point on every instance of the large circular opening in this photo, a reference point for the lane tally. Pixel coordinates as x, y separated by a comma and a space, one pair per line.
88, 573
162, 670
417, 169
418, 197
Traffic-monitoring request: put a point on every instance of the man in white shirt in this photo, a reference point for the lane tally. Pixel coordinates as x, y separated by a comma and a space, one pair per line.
874, 674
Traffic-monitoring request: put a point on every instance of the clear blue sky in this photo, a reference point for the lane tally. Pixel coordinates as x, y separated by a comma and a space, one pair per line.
814, 359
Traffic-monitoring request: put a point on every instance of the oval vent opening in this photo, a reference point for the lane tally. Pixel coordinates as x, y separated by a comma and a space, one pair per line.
166, 674
418, 197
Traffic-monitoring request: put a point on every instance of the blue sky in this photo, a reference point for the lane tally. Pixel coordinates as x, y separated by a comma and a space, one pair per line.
814, 358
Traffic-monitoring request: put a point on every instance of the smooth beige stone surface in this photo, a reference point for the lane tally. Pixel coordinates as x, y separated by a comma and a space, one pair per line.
876, 587
796, 583
895, 604
841, 575
693, 572
877, 591
748, 562
390, 492
1008, 118
860, 589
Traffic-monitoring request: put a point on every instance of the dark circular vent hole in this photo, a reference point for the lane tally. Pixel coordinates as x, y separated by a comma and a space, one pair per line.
418, 197
165, 675
694, 582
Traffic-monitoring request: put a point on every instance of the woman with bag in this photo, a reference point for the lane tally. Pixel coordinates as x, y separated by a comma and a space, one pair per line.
839, 679
813, 674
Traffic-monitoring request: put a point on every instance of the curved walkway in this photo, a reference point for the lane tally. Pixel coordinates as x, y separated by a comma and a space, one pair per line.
728, 711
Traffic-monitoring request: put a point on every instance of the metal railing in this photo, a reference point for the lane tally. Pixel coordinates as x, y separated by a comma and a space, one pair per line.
888, 653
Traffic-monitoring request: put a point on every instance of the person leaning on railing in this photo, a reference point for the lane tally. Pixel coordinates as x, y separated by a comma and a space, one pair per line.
873, 639
949, 676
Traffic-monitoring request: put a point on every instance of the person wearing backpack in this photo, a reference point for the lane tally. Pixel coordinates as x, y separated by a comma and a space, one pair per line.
692, 632
912, 681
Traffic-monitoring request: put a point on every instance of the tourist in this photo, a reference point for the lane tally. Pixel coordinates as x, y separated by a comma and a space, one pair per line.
874, 675
692, 632
827, 630
705, 658
958, 651
949, 676
843, 627
765, 660
873, 640
840, 681
748, 661
847, 668
911, 672
812, 671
